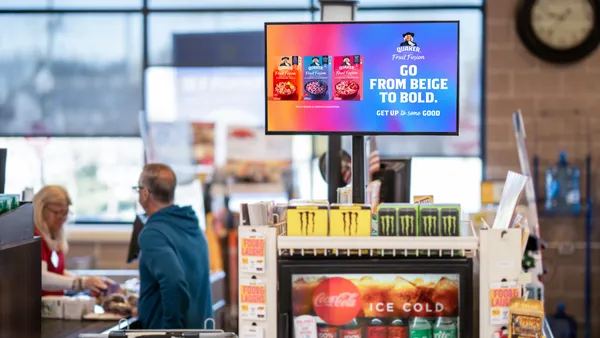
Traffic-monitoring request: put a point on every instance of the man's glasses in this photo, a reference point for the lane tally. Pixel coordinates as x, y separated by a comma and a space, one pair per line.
137, 188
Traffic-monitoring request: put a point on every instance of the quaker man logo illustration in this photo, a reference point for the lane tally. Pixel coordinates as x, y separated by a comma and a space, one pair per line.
285, 62
315, 62
346, 62
408, 49
408, 39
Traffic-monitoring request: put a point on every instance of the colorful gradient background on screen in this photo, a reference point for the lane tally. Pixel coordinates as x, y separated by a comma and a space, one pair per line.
377, 43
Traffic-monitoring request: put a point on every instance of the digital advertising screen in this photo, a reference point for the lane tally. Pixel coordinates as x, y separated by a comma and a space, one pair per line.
362, 78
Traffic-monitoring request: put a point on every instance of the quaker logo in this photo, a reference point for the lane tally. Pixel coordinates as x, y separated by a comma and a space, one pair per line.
307, 222
408, 222
350, 220
318, 63
388, 222
285, 63
430, 222
349, 62
408, 49
450, 220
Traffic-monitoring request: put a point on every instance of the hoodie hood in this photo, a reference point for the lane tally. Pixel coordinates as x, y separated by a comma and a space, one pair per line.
183, 218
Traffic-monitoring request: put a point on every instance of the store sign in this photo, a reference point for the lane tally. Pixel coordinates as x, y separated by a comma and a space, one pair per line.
368, 300
337, 301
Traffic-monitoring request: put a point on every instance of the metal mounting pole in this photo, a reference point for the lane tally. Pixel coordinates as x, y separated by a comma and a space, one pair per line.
336, 10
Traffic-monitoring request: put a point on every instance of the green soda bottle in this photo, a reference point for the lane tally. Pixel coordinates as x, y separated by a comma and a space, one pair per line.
444, 328
420, 328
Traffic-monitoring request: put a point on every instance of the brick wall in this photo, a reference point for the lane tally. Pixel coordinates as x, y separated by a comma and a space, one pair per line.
559, 105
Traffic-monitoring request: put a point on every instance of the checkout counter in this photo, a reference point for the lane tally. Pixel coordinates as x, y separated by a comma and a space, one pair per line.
20, 275
59, 328
20, 285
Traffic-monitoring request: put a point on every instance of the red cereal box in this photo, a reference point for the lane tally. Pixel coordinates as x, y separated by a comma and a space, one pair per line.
286, 78
348, 77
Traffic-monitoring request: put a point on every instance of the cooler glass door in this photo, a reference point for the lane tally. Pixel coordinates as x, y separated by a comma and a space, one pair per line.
378, 298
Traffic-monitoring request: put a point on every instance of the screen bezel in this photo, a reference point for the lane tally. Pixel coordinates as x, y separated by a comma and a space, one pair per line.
268, 132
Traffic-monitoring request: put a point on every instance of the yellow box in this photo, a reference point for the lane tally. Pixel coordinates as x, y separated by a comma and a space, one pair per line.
307, 220
350, 220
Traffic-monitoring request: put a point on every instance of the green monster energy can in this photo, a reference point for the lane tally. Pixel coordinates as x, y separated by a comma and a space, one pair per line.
420, 328
444, 328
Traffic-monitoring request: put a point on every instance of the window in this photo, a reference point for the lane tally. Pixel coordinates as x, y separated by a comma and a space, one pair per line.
97, 172
419, 3
471, 67
162, 27
459, 182
70, 74
69, 4
233, 4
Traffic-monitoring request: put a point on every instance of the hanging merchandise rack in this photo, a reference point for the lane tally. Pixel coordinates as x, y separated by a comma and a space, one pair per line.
582, 144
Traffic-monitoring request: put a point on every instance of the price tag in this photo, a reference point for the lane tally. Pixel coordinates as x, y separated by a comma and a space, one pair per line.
423, 199
252, 332
252, 253
500, 296
253, 300
305, 327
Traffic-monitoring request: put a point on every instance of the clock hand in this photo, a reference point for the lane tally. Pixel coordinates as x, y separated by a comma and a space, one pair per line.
565, 15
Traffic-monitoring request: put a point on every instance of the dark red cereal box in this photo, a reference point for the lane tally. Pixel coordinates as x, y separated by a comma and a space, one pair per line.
348, 77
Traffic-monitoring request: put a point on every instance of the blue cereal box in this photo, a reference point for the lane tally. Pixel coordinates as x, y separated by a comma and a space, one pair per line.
317, 77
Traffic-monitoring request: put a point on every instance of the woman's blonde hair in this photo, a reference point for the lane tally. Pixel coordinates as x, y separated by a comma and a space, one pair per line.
50, 195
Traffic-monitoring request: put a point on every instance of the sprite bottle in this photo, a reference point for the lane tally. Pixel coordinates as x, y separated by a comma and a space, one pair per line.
420, 328
444, 328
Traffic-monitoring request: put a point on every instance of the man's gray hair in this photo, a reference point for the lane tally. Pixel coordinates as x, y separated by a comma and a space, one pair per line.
160, 181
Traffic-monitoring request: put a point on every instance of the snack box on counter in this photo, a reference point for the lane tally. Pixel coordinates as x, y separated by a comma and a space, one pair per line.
64, 307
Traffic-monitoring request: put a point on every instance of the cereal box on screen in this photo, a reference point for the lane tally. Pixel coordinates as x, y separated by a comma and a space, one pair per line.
317, 77
286, 78
348, 77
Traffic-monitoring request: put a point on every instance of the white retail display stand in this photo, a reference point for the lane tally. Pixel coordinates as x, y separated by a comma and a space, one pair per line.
499, 255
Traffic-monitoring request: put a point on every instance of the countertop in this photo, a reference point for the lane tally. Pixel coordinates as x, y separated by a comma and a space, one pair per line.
59, 328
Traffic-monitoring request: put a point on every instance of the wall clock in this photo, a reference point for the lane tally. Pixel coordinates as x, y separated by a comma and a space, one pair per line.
559, 31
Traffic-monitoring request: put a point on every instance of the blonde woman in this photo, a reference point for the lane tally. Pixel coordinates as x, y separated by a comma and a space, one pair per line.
50, 211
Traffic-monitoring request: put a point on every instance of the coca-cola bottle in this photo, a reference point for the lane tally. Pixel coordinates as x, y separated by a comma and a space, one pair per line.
376, 329
325, 330
398, 328
350, 330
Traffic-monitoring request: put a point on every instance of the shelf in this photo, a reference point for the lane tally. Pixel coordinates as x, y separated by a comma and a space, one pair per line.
378, 246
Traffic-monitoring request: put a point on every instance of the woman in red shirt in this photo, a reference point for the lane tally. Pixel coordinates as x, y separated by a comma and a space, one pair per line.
50, 211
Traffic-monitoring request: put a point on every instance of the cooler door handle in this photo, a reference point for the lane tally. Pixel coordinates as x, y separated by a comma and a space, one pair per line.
284, 327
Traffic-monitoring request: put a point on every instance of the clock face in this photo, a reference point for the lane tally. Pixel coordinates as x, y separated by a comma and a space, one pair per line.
562, 24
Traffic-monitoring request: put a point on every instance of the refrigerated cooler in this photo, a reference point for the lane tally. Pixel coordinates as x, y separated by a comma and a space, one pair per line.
366, 297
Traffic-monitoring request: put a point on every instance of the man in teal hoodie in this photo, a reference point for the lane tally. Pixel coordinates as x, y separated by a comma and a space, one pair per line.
174, 267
